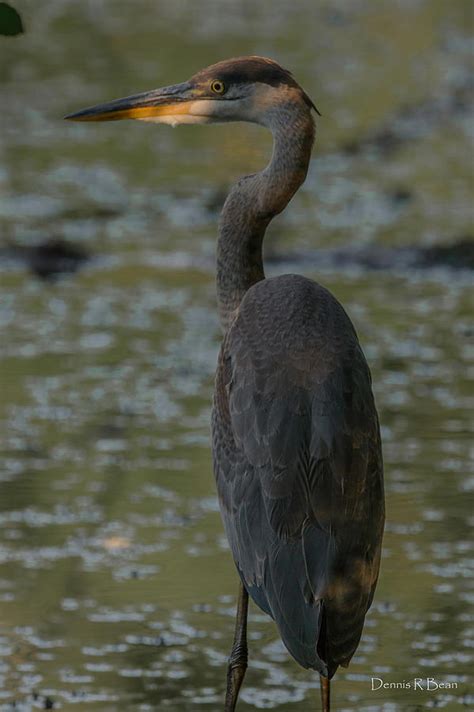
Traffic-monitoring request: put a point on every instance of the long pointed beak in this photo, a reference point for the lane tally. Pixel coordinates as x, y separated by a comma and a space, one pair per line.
172, 101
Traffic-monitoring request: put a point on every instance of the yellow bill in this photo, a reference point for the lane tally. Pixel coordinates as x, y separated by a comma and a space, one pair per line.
170, 105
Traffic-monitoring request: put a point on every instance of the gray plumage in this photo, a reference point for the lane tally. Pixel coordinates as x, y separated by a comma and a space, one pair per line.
296, 444
298, 466
295, 435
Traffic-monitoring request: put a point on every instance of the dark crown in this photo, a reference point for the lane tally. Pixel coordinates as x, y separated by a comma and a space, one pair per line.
242, 70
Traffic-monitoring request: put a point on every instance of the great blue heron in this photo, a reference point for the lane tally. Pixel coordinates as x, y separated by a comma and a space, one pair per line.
295, 434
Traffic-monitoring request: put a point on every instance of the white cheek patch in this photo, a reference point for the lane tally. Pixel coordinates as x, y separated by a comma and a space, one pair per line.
176, 119
205, 108
199, 112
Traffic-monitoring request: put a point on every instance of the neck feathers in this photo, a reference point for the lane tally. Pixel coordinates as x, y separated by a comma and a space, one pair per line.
255, 200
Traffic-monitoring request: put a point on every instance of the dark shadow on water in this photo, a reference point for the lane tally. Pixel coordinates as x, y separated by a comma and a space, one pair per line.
415, 121
457, 255
47, 260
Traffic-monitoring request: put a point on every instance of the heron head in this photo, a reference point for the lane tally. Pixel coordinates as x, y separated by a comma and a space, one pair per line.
242, 89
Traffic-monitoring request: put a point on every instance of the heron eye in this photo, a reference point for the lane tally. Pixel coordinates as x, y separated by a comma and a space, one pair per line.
218, 87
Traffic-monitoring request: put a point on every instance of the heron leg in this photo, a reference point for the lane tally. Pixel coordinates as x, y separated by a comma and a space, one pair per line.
325, 693
238, 656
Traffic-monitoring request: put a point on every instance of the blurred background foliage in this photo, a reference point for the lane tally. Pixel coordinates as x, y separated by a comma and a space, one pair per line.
116, 585
10, 20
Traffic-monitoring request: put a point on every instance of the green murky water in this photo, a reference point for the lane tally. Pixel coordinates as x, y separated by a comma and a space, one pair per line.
116, 585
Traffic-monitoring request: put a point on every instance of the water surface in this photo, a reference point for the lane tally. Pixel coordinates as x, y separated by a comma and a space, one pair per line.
116, 584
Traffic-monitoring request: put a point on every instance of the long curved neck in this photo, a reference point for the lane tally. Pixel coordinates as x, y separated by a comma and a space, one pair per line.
254, 201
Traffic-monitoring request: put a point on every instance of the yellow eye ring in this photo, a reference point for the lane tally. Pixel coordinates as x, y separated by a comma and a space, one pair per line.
218, 87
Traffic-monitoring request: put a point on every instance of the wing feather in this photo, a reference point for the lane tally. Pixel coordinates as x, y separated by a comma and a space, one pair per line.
298, 466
